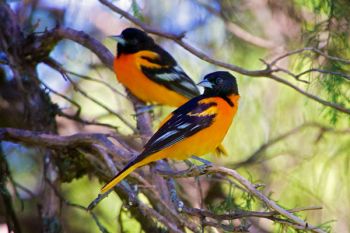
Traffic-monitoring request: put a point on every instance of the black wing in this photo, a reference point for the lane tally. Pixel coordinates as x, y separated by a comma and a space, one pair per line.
185, 122
170, 74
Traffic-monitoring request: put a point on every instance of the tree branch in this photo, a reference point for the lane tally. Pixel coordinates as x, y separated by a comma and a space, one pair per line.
87, 41
48, 140
267, 72
213, 169
271, 204
52, 140
238, 31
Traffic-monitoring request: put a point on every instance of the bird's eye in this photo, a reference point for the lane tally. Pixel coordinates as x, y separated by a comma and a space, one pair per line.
219, 81
132, 41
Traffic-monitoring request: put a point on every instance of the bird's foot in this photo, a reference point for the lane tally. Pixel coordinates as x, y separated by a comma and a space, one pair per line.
198, 170
189, 164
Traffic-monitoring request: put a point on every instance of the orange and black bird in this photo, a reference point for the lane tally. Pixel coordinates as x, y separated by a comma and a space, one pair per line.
195, 128
150, 72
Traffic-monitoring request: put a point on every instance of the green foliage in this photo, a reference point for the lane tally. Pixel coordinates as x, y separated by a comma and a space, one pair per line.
136, 10
329, 31
336, 87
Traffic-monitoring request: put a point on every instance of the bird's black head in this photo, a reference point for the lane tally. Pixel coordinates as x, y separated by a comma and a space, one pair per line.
219, 83
133, 40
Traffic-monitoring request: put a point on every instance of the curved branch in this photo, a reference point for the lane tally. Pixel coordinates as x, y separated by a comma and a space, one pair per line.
267, 72
178, 39
312, 49
271, 204
238, 31
311, 96
87, 41
53, 140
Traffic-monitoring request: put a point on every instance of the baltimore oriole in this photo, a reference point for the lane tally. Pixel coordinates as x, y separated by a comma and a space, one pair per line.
195, 128
150, 72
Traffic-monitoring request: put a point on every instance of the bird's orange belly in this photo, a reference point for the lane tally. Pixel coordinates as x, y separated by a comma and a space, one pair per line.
206, 140
130, 75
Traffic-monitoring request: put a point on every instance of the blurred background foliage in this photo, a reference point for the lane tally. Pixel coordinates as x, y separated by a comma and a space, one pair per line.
308, 168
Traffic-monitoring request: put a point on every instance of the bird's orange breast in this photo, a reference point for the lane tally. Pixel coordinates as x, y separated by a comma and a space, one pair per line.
128, 71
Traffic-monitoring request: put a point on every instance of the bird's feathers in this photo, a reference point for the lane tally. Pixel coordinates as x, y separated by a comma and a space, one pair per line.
183, 122
164, 70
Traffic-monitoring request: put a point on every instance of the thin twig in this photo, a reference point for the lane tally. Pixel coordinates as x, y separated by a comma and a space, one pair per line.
242, 213
323, 129
311, 96
86, 122
239, 31
68, 203
323, 72
55, 65
64, 97
312, 49
98, 81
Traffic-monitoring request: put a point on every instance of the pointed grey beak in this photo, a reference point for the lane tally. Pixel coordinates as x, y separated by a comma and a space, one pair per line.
119, 39
205, 83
